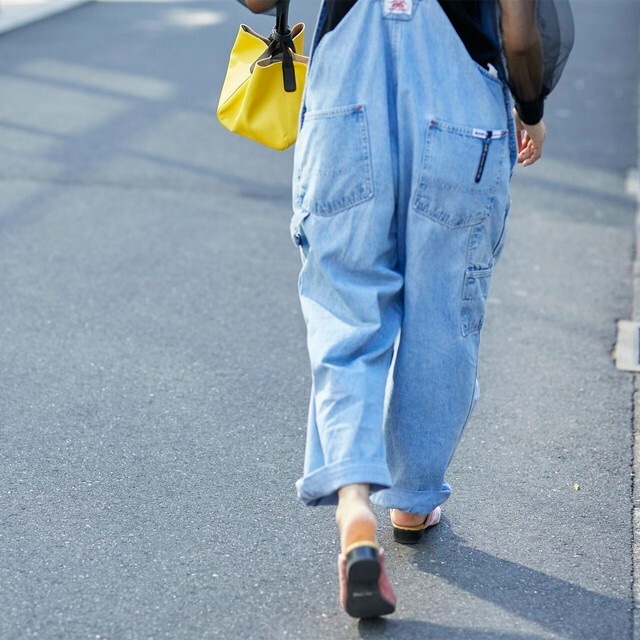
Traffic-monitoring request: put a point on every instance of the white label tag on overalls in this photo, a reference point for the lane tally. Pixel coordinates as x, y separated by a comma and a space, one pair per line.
483, 133
398, 6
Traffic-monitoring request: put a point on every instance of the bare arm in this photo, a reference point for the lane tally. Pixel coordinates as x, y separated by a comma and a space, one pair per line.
523, 50
259, 6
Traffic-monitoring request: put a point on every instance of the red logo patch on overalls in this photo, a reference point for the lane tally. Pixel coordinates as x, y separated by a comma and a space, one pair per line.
398, 6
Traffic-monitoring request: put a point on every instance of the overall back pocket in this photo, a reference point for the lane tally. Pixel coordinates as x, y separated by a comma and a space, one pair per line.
332, 166
463, 172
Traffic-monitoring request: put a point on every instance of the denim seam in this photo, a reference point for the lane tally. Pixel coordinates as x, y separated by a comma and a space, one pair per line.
501, 237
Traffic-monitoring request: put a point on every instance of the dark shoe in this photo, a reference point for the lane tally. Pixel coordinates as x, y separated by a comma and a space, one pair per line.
365, 589
413, 535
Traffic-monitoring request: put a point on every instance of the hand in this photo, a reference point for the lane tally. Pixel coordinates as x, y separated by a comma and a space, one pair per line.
530, 138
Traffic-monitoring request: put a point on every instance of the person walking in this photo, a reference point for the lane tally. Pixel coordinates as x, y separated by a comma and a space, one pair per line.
401, 179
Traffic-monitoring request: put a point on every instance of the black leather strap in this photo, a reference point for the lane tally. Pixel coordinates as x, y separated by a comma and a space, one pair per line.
282, 17
281, 45
282, 36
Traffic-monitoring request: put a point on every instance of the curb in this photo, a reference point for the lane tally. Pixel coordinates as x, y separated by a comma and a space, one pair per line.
14, 16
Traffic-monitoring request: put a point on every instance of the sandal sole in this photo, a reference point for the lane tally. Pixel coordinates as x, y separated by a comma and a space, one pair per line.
364, 599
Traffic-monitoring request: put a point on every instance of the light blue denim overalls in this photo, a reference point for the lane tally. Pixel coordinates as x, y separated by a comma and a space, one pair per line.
401, 194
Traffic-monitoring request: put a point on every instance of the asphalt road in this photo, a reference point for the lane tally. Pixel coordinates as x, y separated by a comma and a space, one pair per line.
154, 378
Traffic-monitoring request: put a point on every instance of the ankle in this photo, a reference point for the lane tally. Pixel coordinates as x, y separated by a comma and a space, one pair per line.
406, 519
354, 517
353, 493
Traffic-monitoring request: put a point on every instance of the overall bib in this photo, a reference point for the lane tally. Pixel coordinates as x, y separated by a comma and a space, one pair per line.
400, 194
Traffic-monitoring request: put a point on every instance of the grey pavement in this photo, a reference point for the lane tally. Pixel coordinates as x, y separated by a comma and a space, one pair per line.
154, 378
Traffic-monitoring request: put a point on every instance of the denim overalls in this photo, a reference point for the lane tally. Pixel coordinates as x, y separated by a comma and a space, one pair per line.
401, 194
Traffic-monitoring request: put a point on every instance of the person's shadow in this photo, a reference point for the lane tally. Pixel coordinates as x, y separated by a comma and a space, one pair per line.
561, 608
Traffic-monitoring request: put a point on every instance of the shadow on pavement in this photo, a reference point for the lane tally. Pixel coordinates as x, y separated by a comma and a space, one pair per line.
383, 628
563, 608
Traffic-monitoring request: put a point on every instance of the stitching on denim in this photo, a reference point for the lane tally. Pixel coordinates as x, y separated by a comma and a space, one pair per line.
360, 192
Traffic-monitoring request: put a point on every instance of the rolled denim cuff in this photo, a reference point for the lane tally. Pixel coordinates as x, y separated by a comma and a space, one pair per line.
530, 112
320, 487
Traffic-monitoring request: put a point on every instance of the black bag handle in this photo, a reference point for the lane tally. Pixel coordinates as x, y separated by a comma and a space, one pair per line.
281, 43
282, 17
282, 35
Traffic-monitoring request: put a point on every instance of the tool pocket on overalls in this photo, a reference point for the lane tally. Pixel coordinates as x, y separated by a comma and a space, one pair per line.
333, 161
475, 291
463, 171
485, 241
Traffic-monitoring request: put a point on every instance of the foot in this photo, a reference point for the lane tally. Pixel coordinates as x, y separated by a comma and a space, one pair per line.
409, 528
365, 589
404, 519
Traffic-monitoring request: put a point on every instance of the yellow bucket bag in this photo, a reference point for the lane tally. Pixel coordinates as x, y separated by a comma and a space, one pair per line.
262, 90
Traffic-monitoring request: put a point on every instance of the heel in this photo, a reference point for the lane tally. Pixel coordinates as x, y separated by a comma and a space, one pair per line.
407, 536
368, 591
414, 534
363, 564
